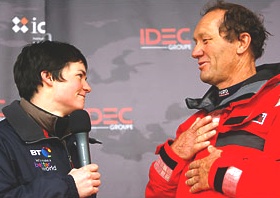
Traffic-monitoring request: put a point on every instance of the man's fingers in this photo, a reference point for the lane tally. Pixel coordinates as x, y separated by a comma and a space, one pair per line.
205, 136
191, 173
200, 146
193, 124
211, 149
201, 122
192, 181
195, 188
204, 125
214, 151
207, 127
194, 164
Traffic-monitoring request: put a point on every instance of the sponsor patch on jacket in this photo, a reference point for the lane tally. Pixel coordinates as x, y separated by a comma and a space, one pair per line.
231, 180
162, 169
43, 159
223, 92
260, 118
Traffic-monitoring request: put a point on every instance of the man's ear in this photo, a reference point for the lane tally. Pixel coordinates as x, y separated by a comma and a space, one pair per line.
46, 78
243, 42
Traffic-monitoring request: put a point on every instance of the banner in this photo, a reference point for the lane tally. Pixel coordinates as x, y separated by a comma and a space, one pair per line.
140, 71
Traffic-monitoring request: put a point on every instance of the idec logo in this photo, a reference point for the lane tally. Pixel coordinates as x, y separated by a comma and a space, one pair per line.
24, 25
165, 38
111, 118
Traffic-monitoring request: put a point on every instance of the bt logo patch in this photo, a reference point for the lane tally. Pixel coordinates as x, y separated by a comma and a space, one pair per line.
45, 151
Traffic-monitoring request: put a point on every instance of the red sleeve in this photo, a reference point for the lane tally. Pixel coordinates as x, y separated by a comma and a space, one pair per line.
248, 172
165, 172
256, 176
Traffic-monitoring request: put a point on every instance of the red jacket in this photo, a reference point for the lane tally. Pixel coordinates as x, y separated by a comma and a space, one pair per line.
248, 134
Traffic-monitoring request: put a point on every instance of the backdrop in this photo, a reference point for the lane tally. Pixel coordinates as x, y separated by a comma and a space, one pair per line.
140, 70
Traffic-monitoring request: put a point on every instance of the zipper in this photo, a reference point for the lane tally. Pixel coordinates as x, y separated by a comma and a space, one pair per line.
69, 156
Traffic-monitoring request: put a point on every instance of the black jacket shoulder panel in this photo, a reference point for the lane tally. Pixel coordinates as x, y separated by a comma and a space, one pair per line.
22, 123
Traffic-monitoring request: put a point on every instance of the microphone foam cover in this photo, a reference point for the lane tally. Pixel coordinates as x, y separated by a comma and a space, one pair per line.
79, 121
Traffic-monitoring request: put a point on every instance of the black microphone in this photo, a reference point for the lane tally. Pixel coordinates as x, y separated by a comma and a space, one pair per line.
80, 126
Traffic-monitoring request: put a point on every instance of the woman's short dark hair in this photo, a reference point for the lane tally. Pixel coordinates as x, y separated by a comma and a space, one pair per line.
51, 56
237, 20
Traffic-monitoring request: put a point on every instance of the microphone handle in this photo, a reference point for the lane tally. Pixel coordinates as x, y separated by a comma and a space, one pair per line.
83, 148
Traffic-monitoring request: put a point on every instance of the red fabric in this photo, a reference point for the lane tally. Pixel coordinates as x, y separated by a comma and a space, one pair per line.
260, 169
46, 134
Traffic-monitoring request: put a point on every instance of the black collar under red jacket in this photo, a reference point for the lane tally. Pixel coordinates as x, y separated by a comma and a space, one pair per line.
209, 101
32, 165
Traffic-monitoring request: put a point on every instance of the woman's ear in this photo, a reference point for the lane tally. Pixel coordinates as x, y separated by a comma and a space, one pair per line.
46, 78
243, 42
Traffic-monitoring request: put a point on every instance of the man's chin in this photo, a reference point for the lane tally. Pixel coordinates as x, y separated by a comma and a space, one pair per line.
205, 80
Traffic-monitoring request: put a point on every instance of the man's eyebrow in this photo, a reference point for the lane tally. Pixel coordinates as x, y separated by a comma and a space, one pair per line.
200, 35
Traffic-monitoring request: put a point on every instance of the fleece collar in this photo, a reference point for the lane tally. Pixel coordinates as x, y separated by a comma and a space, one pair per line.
29, 121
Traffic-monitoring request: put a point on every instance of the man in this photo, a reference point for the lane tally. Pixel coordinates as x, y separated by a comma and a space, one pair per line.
37, 151
230, 147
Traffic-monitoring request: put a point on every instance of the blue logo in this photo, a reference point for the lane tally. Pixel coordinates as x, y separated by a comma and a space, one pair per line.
46, 152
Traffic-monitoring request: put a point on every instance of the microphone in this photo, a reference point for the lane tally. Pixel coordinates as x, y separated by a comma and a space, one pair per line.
80, 126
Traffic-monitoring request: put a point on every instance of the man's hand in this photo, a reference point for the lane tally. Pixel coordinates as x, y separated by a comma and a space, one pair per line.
87, 179
195, 138
199, 170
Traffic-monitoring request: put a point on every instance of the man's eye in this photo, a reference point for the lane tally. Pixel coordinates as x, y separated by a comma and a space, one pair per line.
205, 40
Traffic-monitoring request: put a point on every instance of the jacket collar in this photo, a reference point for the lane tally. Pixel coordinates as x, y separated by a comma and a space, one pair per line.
29, 121
55, 125
250, 87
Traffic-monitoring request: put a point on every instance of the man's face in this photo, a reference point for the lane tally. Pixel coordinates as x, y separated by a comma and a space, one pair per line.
69, 95
216, 56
